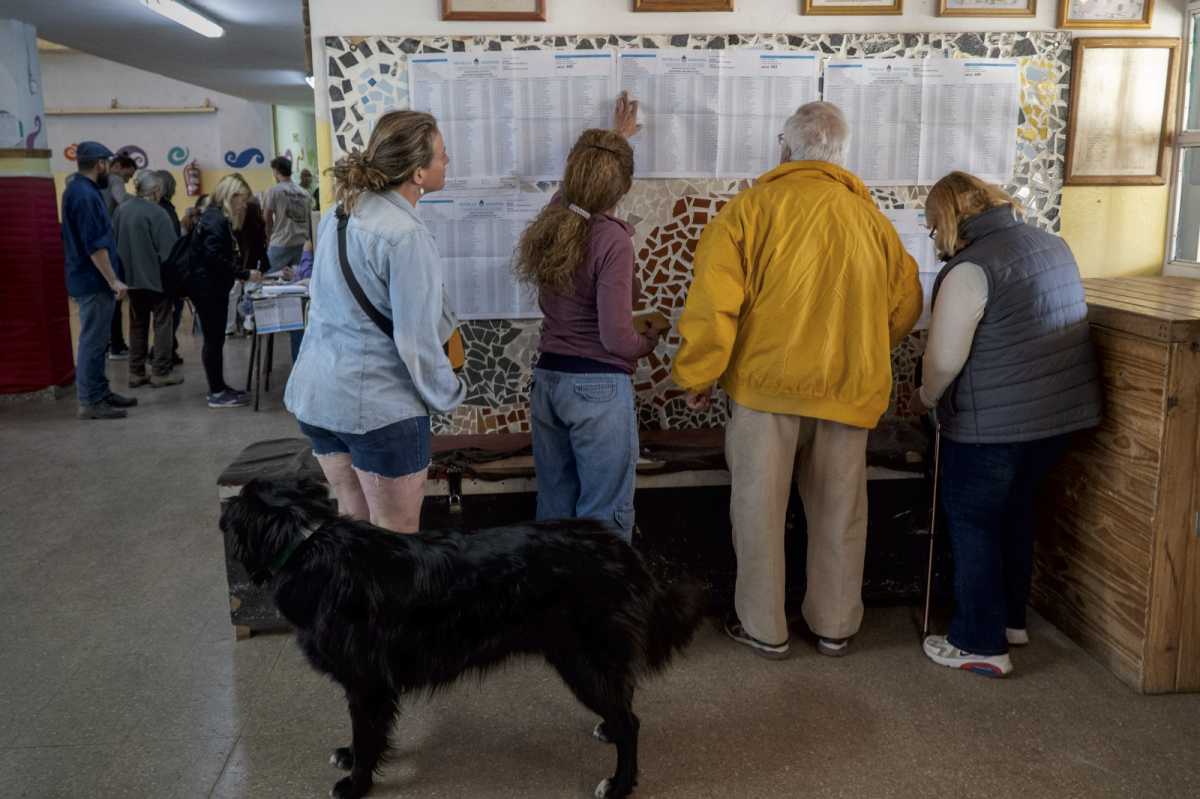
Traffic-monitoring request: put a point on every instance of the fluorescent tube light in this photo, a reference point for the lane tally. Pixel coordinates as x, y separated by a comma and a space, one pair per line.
187, 17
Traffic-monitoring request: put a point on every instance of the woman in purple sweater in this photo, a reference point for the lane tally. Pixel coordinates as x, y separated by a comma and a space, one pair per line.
580, 258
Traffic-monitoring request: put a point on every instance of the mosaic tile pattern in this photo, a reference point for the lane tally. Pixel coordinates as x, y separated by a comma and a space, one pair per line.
369, 76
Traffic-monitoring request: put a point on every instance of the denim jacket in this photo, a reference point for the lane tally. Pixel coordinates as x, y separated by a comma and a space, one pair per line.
349, 377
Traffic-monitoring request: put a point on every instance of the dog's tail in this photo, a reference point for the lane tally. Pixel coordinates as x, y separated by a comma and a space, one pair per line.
676, 613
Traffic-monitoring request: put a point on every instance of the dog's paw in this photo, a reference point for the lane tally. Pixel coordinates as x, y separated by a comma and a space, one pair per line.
346, 788
600, 733
343, 758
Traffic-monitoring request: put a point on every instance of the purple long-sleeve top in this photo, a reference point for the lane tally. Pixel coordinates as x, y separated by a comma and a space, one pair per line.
596, 320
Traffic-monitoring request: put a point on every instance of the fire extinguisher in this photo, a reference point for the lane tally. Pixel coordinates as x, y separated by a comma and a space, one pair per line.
191, 179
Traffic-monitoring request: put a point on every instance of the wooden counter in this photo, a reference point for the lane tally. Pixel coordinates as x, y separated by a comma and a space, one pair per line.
1117, 565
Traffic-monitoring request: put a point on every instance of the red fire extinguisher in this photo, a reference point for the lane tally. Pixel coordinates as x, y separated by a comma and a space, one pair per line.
191, 179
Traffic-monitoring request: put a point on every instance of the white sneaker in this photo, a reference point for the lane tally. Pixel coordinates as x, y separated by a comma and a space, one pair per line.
1016, 637
944, 653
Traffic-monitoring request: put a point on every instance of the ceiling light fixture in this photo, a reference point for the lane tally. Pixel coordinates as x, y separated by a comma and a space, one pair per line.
187, 17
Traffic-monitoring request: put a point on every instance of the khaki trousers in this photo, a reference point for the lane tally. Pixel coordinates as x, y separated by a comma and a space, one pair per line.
830, 463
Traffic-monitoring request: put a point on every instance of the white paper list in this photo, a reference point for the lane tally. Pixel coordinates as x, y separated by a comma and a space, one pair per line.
714, 113
515, 113
910, 224
914, 120
476, 233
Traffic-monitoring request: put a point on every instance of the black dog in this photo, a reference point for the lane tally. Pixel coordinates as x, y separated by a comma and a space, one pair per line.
387, 615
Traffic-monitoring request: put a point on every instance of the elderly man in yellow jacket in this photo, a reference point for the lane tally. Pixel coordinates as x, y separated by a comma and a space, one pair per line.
802, 289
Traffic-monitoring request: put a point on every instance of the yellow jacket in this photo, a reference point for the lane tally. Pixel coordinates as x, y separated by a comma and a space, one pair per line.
801, 290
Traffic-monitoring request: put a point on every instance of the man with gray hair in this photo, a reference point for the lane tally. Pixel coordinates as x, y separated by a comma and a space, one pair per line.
802, 289
144, 239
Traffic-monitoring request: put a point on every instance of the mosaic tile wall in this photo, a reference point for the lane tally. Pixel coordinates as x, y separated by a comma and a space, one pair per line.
368, 76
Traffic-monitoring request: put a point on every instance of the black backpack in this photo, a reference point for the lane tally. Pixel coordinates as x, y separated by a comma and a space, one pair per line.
180, 267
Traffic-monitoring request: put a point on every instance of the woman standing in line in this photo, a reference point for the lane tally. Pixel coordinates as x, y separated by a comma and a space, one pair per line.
1010, 367
580, 258
362, 397
216, 268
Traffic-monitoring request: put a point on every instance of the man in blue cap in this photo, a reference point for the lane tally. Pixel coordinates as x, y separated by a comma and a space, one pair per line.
93, 279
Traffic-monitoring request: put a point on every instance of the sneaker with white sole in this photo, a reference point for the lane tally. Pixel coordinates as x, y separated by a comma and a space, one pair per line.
833, 647
227, 399
944, 653
734, 629
1016, 636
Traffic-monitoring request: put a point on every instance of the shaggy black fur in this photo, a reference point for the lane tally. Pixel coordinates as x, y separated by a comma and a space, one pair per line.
389, 615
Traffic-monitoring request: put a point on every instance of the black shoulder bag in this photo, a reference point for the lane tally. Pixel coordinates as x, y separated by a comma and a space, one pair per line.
381, 321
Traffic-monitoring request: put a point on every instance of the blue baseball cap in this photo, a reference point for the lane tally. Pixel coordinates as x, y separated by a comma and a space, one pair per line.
91, 151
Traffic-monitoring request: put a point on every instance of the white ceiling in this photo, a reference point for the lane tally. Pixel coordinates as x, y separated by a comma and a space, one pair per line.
260, 57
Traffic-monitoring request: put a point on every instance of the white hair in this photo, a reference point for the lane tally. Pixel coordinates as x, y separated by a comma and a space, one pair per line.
147, 183
817, 132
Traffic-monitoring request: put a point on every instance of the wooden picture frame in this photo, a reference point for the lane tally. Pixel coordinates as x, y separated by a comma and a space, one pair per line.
683, 5
1107, 144
1068, 22
982, 8
494, 10
847, 8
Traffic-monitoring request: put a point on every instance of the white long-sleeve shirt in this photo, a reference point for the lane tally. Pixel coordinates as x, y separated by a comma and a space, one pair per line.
960, 303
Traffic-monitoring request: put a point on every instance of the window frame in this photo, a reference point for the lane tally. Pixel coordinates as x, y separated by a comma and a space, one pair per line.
1182, 141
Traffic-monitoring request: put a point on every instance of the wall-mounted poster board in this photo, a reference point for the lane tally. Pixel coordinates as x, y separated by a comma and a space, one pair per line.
368, 77
1122, 109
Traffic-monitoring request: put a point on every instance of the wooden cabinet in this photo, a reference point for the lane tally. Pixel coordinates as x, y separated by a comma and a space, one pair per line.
1117, 564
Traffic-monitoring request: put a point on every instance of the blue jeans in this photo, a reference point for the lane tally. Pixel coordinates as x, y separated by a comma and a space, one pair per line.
279, 257
585, 447
95, 320
987, 494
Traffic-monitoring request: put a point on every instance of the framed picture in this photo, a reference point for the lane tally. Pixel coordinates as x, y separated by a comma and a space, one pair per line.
853, 7
987, 8
1105, 13
494, 10
1122, 111
683, 5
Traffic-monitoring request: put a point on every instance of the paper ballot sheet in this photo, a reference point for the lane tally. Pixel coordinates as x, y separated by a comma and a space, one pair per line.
714, 113
914, 120
514, 113
910, 224
476, 233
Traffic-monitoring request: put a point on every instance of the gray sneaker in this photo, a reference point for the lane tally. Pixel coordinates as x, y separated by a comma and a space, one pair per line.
734, 629
101, 410
169, 379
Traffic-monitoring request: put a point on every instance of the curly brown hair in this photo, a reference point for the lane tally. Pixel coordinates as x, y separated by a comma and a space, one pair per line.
599, 173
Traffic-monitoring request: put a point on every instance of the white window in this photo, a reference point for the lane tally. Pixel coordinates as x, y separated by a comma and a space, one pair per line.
1183, 245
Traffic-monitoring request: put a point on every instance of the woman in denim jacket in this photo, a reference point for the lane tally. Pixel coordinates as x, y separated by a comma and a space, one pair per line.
363, 399
580, 258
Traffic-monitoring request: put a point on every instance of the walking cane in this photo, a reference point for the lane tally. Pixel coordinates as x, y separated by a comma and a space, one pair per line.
937, 468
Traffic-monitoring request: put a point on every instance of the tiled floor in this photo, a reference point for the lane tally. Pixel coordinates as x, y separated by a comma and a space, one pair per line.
119, 675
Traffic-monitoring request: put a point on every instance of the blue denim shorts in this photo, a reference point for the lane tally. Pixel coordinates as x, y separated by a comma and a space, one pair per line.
393, 451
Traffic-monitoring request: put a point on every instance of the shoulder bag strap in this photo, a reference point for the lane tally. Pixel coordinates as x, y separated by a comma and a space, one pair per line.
381, 321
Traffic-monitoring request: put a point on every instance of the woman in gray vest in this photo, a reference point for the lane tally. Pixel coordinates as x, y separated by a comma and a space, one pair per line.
1010, 367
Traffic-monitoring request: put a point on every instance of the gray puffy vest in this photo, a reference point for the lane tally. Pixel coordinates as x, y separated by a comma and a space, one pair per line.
1032, 371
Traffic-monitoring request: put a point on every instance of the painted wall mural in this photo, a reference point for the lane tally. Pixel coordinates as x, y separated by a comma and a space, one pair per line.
178, 156
369, 77
243, 159
22, 108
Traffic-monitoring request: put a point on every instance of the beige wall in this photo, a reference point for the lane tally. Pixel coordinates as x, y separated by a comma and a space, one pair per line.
1116, 231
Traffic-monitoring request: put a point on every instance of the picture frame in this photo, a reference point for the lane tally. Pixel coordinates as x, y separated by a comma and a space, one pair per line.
1115, 137
682, 5
846, 8
1111, 14
494, 10
987, 8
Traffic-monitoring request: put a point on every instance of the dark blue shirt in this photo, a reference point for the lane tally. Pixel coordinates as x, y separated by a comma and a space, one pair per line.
86, 228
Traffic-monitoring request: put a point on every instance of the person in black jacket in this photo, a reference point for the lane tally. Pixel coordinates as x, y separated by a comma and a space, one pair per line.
167, 204
217, 265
